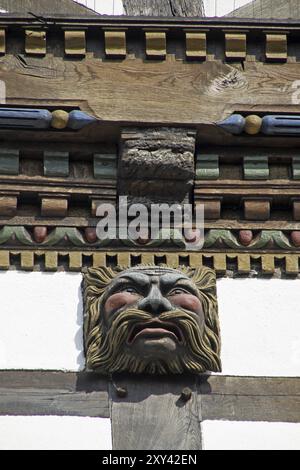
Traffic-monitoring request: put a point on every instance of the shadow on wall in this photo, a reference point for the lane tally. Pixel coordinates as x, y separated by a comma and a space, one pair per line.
79, 334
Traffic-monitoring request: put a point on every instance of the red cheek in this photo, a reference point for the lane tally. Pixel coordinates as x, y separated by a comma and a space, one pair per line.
187, 301
119, 300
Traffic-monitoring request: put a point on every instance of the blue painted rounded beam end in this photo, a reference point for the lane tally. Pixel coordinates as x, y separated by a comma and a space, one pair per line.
79, 119
22, 118
234, 124
281, 125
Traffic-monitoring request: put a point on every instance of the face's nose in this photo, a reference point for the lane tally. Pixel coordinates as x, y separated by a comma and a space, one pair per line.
155, 303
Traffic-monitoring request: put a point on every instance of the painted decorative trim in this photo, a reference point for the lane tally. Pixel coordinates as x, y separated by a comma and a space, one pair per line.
241, 263
281, 125
256, 168
56, 164
24, 118
272, 44
115, 43
236, 124
2, 41
195, 44
276, 47
257, 208
75, 43
207, 167
212, 206
35, 42
296, 168
105, 166
235, 45
54, 206
8, 205
86, 238
9, 161
296, 209
156, 44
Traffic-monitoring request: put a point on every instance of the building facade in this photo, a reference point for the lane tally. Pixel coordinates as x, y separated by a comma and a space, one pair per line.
173, 110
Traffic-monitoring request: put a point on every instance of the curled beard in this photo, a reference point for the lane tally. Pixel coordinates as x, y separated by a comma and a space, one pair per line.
107, 353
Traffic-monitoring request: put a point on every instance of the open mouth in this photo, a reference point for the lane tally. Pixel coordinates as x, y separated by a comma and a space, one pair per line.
155, 329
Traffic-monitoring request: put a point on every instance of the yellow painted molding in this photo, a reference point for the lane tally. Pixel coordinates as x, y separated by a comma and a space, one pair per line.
35, 42
195, 45
156, 44
75, 43
115, 43
2, 41
241, 263
276, 46
235, 45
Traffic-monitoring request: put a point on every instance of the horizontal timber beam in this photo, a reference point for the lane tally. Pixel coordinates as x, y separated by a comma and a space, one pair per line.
86, 394
255, 23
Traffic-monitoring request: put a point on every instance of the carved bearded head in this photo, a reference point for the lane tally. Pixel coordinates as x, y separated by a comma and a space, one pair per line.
151, 319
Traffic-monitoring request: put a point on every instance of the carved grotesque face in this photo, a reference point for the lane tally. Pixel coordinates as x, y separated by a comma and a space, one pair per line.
151, 320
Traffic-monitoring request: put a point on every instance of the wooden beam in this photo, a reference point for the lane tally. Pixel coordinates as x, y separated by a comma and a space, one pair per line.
153, 414
250, 399
86, 394
178, 101
53, 393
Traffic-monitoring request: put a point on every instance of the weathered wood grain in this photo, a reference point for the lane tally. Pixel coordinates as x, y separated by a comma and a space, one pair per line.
53, 393
86, 394
135, 91
153, 416
250, 398
250, 408
249, 386
163, 7
53, 402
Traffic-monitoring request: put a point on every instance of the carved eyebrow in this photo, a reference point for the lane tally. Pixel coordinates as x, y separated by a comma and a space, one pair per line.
170, 282
139, 280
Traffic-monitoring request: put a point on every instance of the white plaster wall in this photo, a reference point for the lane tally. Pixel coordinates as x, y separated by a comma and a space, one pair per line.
260, 326
54, 433
233, 435
41, 324
40, 321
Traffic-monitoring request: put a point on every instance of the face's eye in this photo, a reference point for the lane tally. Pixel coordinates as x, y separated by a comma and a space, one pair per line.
130, 290
178, 291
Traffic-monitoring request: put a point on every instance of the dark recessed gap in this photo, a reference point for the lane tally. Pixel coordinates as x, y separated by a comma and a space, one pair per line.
111, 261
135, 260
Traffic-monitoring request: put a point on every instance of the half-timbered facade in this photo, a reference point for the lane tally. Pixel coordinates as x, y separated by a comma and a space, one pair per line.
159, 109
